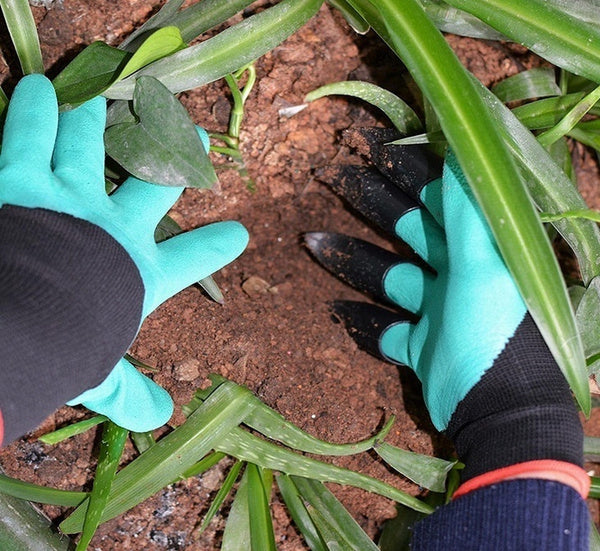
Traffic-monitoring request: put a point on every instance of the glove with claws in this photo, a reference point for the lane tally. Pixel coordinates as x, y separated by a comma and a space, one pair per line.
454, 316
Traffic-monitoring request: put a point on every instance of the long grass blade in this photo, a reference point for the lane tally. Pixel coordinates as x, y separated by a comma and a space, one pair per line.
111, 449
226, 52
245, 446
334, 522
171, 456
222, 494
72, 430
23, 32
570, 119
40, 494
492, 174
295, 505
399, 113
428, 472
262, 537
237, 530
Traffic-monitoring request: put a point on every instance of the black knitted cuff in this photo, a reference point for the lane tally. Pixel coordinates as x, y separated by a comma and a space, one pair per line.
521, 410
70, 305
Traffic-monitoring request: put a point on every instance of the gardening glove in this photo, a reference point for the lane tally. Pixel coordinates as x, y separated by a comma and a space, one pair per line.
457, 318
98, 251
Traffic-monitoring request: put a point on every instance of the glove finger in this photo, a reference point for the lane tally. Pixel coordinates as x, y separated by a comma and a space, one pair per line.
418, 229
370, 193
129, 399
146, 203
394, 341
79, 151
470, 241
191, 256
31, 124
368, 323
410, 167
382, 274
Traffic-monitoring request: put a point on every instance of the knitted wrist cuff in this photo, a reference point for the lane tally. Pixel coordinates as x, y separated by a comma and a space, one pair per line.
521, 410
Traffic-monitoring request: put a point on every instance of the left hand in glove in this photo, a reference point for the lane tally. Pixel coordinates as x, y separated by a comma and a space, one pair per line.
52, 168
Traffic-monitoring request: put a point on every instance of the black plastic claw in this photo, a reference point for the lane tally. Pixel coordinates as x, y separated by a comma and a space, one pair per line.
410, 167
366, 323
370, 193
356, 262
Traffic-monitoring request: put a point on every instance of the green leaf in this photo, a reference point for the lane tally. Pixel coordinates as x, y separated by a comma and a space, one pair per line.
39, 494
262, 537
90, 73
273, 425
245, 446
587, 316
222, 494
428, 472
570, 119
226, 52
237, 530
534, 83
23, 33
550, 188
399, 113
397, 531
335, 525
24, 528
111, 449
297, 509
492, 174
450, 20
208, 461
352, 17
541, 25
171, 456
591, 446
162, 146
162, 43
142, 440
594, 537
72, 430
158, 20
546, 112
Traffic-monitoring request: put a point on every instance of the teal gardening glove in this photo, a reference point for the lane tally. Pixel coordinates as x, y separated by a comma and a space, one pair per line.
464, 302
56, 162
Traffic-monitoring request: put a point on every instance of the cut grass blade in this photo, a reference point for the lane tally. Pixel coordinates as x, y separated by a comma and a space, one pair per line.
493, 176
23, 33
222, 494
72, 430
111, 449
399, 113
226, 52
262, 537
171, 456
142, 440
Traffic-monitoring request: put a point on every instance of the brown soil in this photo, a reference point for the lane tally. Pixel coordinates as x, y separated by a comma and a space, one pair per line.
275, 332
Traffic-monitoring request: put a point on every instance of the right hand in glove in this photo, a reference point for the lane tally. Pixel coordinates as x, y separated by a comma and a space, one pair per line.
457, 318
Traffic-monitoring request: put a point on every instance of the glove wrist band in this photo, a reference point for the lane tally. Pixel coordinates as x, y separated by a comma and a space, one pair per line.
550, 469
